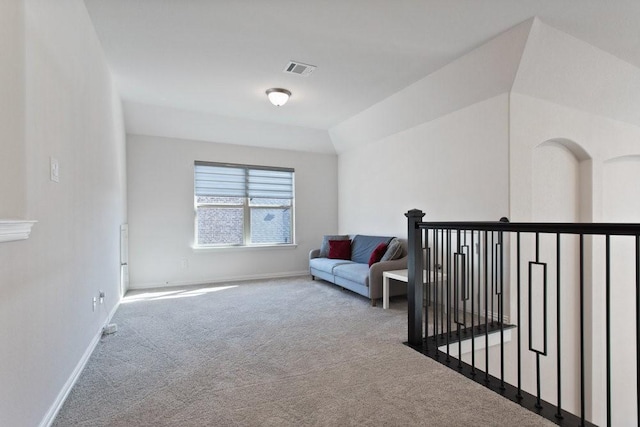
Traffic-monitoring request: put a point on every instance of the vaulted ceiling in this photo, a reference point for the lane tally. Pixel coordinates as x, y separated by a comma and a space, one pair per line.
199, 68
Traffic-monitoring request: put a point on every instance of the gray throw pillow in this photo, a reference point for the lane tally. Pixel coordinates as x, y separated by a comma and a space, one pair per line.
362, 247
394, 251
324, 249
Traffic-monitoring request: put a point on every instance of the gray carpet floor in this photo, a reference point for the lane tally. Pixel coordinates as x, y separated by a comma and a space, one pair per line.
285, 352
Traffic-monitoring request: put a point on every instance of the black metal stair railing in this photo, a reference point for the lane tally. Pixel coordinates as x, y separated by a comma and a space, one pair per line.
469, 280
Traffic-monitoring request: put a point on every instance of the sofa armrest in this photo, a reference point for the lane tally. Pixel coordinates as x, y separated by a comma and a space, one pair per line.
376, 270
314, 253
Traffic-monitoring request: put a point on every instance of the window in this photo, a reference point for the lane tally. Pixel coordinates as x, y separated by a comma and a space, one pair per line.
239, 205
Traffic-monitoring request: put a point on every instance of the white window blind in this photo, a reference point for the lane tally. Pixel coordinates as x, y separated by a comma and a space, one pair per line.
219, 180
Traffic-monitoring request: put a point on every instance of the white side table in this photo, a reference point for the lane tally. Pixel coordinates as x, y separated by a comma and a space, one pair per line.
403, 276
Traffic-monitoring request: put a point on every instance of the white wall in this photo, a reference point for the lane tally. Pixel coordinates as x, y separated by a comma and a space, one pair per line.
452, 168
12, 160
161, 212
48, 281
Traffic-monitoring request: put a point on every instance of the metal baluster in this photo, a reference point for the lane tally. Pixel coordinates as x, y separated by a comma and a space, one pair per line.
538, 401
638, 327
486, 308
479, 282
473, 338
558, 328
539, 352
501, 310
464, 283
436, 307
457, 298
519, 393
442, 286
493, 273
440, 291
582, 412
440, 262
428, 286
448, 332
608, 322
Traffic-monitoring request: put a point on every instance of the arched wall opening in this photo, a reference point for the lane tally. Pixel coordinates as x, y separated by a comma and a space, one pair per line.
562, 182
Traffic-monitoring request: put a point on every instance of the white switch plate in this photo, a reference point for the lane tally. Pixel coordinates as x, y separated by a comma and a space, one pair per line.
55, 170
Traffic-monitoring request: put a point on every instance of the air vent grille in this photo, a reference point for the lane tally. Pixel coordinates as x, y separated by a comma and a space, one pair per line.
294, 67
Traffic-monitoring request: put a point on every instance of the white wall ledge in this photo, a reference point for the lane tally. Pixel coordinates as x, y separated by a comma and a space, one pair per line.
243, 247
12, 230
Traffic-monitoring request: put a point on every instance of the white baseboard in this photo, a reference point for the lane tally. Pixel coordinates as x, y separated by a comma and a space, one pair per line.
494, 315
152, 285
480, 343
66, 389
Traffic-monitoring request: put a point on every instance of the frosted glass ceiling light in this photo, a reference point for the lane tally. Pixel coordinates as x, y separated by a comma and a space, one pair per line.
278, 96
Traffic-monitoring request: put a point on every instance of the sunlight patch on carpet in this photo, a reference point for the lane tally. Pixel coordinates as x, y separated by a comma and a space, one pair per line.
173, 294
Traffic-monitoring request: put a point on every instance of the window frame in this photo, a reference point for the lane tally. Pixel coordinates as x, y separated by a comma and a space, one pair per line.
246, 209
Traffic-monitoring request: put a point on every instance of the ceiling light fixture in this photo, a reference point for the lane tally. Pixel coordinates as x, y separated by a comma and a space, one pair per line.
278, 96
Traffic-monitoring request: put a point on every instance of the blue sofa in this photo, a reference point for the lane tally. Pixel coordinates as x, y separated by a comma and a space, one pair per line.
355, 274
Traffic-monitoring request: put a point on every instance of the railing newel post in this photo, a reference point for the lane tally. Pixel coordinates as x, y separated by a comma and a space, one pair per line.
414, 291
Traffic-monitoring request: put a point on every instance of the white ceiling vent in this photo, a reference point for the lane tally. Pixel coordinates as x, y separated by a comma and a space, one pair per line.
299, 68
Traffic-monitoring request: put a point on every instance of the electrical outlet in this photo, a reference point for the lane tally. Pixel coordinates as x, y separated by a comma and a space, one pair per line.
95, 301
101, 295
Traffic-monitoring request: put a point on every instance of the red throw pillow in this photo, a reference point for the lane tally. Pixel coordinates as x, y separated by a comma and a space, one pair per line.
377, 253
340, 249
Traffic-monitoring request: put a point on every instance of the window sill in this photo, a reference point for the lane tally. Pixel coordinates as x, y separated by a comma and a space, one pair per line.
198, 249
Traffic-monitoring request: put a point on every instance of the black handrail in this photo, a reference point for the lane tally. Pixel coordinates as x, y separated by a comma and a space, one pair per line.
588, 228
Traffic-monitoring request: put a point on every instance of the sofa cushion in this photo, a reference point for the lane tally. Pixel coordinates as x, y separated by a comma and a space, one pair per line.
340, 249
362, 247
325, 264
394, 251
324, 248
377, 253
355, 272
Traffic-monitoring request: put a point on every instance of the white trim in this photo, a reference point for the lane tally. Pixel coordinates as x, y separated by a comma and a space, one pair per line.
12, 230
494, 315
480, 343
71, 381
153, 285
